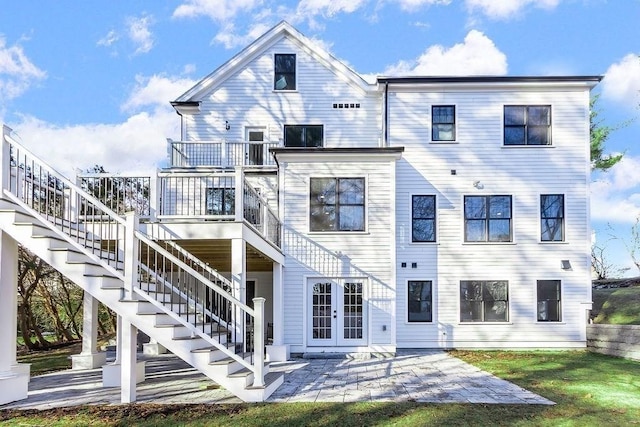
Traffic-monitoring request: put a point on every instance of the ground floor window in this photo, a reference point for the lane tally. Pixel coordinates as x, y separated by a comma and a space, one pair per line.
548, 300
484, 301
419, 301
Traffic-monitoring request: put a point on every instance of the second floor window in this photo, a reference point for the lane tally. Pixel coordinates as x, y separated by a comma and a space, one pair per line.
552, 217
487, 219
443, 123
303, 135
423, 218
527, 125
284, 75
336, 204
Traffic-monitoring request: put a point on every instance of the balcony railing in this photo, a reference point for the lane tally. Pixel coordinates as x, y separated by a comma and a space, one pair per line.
224, 154
196, 195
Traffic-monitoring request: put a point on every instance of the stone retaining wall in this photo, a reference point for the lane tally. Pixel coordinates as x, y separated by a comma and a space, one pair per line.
615, 340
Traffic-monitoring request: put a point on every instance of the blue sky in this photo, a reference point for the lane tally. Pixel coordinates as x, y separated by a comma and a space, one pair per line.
89, 82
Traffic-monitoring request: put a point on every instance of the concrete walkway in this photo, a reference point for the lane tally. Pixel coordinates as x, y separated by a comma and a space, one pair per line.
422, 376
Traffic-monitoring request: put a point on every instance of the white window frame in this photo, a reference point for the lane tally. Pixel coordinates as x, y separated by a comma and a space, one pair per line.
273, 70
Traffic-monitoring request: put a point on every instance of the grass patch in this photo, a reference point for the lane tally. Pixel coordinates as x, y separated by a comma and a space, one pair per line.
46, 361
619, 306
589, 389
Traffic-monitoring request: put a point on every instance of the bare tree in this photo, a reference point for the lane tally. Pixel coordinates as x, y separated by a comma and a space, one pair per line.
602, 267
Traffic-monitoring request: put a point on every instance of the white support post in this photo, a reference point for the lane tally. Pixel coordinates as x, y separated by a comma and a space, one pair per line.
154, 196
239, 192
278, 351
14, 377
128, 377
224, 161
239, 280
5, 158
89, 358
130, 255
258, 342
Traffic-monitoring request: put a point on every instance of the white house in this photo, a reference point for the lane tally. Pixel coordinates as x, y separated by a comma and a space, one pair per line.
311, 211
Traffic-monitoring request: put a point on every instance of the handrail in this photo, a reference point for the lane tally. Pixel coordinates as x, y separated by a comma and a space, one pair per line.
61, 203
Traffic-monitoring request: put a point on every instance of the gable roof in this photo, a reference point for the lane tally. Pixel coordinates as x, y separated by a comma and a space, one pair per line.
262, 43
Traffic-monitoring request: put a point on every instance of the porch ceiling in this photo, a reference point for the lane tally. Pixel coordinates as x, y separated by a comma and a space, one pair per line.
217, 253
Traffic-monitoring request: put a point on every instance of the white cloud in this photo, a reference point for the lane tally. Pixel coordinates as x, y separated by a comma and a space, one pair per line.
156, 90
17, 72
229, 38
139, 33
621, 82
504, 9
412, 5
328, 8
477, 55
108, 40
615, 196
217, 10
138, 144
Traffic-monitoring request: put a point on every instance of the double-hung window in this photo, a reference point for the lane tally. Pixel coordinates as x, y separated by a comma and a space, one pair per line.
487, 219
443, 123
527, 125
552, 218
220, 201
336, 204
419, 300
284, 71
303, 135
423, 218
484, 301
548, 300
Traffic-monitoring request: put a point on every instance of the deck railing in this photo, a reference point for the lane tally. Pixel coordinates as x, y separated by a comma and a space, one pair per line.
144, 266
121, 193
216, 195
226, 154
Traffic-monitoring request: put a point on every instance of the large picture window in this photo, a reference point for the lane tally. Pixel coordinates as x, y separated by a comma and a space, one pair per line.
336, 204
552, 217
487, 219
548, 300
484, 301
443, 123
527, 125
303, 135
284, 75
419, 301
423, 218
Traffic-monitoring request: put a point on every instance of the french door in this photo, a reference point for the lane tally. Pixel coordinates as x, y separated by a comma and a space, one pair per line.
337, 312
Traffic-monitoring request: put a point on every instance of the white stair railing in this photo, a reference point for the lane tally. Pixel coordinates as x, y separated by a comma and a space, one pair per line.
88, 224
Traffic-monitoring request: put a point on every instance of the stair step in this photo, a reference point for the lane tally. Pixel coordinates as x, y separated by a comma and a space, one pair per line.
269, 379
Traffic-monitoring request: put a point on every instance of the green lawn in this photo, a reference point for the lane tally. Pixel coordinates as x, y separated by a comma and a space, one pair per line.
617, 306
590, 390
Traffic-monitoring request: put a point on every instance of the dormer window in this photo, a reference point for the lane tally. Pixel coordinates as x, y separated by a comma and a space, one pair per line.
284, 76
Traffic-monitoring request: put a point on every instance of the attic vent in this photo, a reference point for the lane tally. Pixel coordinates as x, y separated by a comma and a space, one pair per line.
345, 106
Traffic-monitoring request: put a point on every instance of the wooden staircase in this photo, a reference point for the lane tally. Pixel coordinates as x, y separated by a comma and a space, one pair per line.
194, 318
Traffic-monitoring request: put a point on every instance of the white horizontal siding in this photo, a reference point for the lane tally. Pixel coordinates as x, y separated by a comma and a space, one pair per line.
522, 172
248, 99
340, 254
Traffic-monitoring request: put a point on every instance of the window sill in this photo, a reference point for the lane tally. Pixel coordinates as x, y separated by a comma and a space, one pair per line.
444, 142
489, 243
509, 147
432, 323
340, 233
425, 243
538, 322
550, 242
284, 91
484, 323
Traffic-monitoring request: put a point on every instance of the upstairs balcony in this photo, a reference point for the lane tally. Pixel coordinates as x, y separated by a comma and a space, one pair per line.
187, 197
221, 154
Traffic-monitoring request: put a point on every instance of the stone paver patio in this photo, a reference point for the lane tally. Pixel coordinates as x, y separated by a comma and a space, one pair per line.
421, 375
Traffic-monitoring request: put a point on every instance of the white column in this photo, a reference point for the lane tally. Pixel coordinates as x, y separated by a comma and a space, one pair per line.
14, 377
239, 280
89, 358
128, 378
258, 343
130, 255
278, 351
